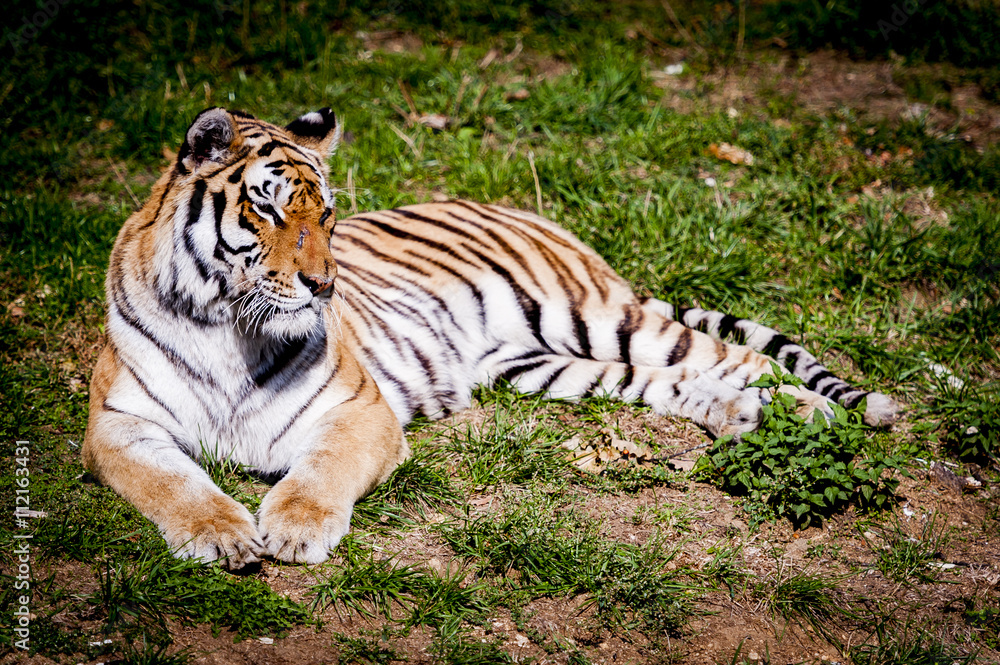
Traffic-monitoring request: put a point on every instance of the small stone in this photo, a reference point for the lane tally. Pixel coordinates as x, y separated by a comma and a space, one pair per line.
438, 566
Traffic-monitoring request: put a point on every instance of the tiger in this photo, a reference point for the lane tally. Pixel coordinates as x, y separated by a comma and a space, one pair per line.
246, 323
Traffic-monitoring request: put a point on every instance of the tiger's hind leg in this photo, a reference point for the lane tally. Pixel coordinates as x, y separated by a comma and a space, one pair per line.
880, 410
674, 391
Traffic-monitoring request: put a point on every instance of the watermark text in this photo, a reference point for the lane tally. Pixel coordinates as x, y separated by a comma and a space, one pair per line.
22, 546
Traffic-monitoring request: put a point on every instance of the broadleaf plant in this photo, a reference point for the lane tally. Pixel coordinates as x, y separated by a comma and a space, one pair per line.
799, 470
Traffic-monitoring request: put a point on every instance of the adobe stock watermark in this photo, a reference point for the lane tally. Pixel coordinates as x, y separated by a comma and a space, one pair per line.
22, 546
31, 26
901, 13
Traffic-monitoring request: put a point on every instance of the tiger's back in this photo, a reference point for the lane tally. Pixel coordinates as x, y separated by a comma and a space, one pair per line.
446, 296
443, 297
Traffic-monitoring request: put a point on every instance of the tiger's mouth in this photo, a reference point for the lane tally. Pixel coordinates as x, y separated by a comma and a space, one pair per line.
280, 316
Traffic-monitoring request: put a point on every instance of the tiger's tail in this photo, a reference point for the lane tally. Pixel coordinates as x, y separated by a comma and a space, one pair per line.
880, 409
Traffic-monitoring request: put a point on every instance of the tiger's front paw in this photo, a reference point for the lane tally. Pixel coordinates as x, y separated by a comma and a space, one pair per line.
220, 529
297, 528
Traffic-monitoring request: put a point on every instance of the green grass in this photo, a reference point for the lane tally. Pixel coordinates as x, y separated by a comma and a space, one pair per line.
808, 598
155, 586
882, 291
904, 557
539, 549
907, 644
368, 585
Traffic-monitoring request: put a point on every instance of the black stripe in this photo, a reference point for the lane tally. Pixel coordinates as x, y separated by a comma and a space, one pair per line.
852, 402
819, 376
357, 393
529, 306
552, 378
582, 335
127, 312
237, 175
487, 354
108, 407
291, 351
149, 393
681, 348
404, 235
245, 224
631, 321
400, 307
774, 346
392, 260
372, 252
597, 381
728, 326
627, 379
266, 150
194, 213
219, 205
440, 223
425, 363
533, 353
518, 370
159, 205
194, 207
624, 344
377, 369
551, 238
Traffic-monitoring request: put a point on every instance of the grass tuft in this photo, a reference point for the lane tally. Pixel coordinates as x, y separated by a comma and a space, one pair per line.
368, 585
538, 550
155, 586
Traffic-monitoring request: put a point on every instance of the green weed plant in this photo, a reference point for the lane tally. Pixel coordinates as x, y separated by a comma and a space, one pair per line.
802, 471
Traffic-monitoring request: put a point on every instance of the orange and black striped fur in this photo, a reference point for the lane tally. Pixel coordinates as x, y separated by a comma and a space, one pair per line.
243, 323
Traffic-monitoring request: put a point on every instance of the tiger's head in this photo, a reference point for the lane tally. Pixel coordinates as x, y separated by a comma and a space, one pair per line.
251, 220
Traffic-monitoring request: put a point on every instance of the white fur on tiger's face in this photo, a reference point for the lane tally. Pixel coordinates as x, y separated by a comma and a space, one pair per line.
243, 324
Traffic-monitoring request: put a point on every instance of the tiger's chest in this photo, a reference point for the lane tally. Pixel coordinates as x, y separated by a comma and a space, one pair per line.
213, 394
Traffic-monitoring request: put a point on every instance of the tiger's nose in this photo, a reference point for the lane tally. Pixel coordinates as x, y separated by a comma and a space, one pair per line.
315, 283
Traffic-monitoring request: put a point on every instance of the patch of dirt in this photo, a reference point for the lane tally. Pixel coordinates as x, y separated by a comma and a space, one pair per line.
825, 82
391, 41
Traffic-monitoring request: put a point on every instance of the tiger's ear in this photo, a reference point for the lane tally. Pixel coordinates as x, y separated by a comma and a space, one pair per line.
212, 137
317, 130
